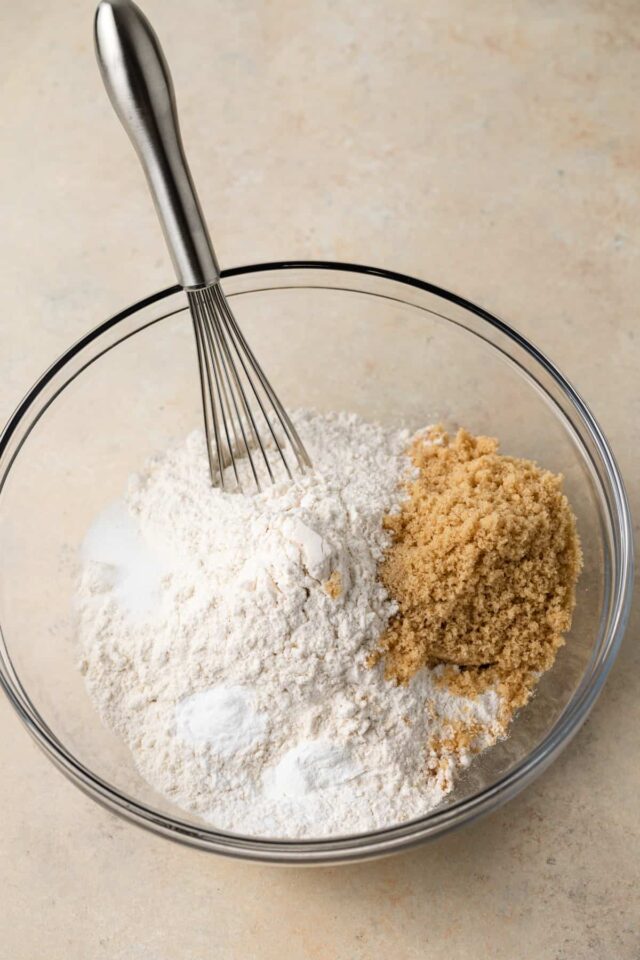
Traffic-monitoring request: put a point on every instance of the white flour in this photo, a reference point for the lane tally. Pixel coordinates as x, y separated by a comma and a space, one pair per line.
211, 644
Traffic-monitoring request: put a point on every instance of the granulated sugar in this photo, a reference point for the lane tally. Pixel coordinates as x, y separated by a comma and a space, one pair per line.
226, 639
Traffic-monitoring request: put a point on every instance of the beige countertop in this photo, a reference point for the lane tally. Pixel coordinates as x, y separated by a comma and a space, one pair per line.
492, 149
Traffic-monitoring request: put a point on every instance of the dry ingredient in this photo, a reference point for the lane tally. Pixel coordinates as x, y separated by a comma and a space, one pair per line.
236, 642
483, 565
226, 639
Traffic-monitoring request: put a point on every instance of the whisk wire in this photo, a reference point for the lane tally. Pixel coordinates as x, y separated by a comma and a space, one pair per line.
225, 391
232, 330
223, 405
283, 418
204, 378
223, 341
231, 381
237, 420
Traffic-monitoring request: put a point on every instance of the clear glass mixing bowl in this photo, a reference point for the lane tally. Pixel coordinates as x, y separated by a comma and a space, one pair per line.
330, 336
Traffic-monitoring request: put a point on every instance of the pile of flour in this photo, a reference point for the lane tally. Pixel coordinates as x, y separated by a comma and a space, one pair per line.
225, 638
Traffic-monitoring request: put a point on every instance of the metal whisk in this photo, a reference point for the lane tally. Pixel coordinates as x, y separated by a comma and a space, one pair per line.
249, 434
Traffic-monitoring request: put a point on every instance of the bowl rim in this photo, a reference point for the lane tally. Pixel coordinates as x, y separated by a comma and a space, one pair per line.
346, 848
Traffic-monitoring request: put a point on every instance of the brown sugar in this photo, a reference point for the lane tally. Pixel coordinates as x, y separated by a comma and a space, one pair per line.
333, 586
483, 566
460, 737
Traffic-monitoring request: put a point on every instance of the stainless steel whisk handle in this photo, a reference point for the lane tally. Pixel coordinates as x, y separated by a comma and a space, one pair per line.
137, 79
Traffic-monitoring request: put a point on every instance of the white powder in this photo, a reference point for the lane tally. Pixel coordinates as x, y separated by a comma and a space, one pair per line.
210, 643
310, 766
132, 570
222, 717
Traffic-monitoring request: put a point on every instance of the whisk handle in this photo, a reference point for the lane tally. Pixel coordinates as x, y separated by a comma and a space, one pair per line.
137, 79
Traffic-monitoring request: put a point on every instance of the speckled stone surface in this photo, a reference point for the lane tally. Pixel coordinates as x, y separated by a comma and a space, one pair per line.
491, 148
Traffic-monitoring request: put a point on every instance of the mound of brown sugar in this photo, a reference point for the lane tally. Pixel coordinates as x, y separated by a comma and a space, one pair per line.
483, 566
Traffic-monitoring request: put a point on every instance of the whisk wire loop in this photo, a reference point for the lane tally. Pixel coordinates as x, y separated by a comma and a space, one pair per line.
236, 398
216, 405
206, 389
284, 420
238, 349
223, 343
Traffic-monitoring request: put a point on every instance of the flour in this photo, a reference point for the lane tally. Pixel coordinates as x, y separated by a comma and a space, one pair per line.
212, 644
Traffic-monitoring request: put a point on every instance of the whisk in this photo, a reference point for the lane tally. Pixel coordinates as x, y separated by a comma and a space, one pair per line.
249, 435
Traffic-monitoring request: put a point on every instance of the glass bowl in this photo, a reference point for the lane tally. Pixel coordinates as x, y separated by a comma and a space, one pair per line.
331, 336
